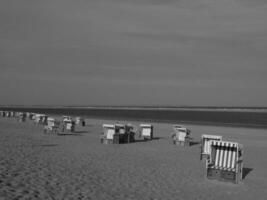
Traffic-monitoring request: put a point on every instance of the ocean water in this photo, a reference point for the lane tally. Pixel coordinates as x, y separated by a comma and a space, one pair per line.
229, 117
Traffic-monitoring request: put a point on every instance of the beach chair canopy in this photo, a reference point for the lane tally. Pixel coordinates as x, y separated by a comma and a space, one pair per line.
50, 119
66, 118
67, 121
145, 125
180, 128
175, 126
107, 126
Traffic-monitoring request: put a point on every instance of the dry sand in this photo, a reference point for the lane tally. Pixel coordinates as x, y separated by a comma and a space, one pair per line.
34, 165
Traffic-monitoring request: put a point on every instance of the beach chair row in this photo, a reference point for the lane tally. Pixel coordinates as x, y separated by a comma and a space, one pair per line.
120, 133
50, 124
224, 159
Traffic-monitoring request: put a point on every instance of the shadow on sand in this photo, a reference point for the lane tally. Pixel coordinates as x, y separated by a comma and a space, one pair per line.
147, 140
49, 145
79, 132
69, 134
246, 171
192, 143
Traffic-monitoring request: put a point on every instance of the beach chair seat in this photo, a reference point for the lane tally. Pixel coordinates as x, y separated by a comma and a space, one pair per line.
146, 131
225, 162
205, 149
181, 136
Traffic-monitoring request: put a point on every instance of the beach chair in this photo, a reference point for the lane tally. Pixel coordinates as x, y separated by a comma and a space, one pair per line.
12, 114
43, 119
107, 134
146, 131
22, 117
38, 118
129, 133
52, 125
181, 135
79, 121
7, 113
31, 116
225, 162
205, 149
68, 125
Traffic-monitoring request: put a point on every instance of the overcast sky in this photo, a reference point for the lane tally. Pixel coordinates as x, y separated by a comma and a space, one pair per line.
133, 52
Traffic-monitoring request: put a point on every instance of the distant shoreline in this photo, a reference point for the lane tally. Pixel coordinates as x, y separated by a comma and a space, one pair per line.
199, 108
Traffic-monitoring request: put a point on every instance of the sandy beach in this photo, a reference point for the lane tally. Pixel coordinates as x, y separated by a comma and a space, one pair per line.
34, 165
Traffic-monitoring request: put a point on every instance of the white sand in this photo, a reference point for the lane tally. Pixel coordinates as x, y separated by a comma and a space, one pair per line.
34, 165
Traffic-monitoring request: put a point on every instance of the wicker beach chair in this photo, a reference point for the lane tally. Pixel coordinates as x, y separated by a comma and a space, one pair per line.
181, 135
225, 162
205, 149
146, 131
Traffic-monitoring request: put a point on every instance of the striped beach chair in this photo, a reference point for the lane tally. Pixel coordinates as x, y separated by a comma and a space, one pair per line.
225, 162
205, 144
146, 131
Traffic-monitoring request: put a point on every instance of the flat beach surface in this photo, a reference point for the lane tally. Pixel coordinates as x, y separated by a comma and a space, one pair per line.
34, 165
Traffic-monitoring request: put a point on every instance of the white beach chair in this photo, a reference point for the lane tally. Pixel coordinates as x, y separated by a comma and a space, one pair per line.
146, 131
52, 125
68, 125
225, 162
107, 134
205, 150
181, 135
